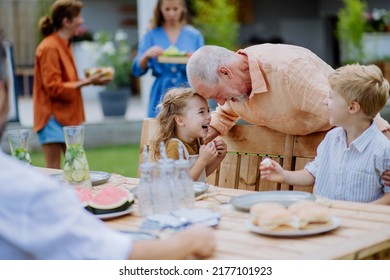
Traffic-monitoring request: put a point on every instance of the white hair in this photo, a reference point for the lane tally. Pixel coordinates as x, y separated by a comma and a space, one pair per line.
203, 64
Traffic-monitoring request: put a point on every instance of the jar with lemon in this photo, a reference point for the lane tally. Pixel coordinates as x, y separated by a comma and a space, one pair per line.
76, 168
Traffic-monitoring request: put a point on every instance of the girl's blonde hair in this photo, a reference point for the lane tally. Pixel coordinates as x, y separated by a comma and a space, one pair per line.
364, 84
158, 18
174, 104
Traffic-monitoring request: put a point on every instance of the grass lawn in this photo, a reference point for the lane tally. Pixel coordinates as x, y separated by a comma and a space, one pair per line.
115, 159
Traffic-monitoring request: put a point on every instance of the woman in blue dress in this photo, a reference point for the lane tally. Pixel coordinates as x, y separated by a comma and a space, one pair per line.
168, 28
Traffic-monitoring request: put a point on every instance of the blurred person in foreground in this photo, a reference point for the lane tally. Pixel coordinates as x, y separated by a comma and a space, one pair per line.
57, 88
41, 219
353, 155
168, 29
280, 86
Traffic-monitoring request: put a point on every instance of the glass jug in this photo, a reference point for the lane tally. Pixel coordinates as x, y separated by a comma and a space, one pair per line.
18, 142
76, 169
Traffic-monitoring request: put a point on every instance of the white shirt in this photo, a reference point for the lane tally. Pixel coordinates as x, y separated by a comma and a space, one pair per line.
351, 173
40, 219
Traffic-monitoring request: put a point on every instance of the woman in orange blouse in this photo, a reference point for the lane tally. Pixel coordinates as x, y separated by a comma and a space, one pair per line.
57, 95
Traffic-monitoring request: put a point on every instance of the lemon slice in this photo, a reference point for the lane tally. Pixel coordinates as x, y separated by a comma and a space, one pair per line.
67, 167
78, 175
68, 176
79, 163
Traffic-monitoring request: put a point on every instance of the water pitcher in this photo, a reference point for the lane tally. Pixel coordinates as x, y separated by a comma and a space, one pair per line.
76, 169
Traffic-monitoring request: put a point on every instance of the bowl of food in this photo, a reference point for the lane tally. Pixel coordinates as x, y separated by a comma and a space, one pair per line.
106, 71
173, 55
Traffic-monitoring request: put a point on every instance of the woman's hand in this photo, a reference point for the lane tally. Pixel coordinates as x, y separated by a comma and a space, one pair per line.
99, 79
104, 80
154, 52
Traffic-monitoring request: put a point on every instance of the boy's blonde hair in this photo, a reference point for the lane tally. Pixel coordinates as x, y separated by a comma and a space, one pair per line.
364, 84
174, 104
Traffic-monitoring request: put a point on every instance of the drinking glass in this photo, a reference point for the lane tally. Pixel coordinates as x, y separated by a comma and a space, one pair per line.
18, 141
76, 168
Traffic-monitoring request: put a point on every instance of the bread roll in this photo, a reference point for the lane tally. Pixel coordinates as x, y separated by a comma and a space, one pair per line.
258, 209
308, 212
273, 218
296, 207
318, 214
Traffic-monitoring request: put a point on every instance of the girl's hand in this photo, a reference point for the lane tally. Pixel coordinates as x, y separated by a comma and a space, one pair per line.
221, 147
271, 172
208, 153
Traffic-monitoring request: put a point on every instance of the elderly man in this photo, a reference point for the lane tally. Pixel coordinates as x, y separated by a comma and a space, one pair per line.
283, 87
41, 219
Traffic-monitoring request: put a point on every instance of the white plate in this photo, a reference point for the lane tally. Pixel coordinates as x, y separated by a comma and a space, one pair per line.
115, 214
311, 230
245, 202
97, 177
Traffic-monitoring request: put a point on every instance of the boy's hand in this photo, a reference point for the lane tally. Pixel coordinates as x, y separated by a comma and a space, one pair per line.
270, 170
221, 147
386, 177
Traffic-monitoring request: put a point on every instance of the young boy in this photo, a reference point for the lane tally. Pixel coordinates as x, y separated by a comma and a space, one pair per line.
353, 156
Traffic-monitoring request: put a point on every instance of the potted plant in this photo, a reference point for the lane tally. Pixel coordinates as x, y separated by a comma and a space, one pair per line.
351, 26
114, 51
218, 22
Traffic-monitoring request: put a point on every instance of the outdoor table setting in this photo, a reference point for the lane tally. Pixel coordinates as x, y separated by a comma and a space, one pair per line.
357, 230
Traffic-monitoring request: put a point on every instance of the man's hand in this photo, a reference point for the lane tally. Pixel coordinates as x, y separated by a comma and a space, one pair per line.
221, 147
211, 135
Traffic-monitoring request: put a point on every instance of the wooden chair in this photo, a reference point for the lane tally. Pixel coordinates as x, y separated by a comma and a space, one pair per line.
247, 146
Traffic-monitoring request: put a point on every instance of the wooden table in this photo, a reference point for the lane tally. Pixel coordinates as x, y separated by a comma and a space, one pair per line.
364, 232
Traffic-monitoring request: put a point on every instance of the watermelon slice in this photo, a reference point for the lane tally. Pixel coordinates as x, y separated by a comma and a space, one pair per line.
84, 194
110, 200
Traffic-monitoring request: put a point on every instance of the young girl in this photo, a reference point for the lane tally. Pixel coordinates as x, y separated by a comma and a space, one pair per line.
168, 27
184, 119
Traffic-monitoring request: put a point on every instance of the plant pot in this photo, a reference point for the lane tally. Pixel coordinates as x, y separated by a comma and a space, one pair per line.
114, 101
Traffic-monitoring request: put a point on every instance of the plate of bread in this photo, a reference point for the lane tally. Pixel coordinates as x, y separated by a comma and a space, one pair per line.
298, 219
286, 198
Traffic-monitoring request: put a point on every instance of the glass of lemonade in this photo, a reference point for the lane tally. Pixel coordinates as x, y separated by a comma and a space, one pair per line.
76, 168
18, 141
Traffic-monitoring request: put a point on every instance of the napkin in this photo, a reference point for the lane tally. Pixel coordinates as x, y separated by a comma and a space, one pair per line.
180, 219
